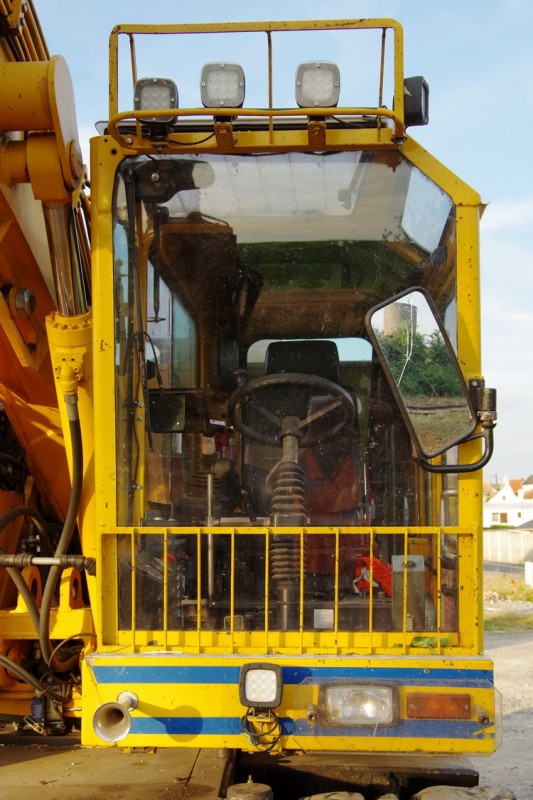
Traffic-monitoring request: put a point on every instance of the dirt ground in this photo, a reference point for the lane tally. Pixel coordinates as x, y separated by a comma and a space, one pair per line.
512, 764
71, 772
506, 597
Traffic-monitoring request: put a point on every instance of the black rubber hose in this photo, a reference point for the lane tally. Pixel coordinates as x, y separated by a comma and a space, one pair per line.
64, 539
27, 677
31, 513
13, 572
24, 590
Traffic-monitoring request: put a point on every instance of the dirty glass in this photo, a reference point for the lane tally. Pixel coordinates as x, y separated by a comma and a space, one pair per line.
216, 260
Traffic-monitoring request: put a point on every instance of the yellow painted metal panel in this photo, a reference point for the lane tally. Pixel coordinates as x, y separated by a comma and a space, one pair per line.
188, 711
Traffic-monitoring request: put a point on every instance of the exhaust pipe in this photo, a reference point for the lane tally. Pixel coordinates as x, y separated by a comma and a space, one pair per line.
112, 721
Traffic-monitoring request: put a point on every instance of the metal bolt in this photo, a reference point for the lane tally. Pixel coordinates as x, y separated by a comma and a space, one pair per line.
25, 301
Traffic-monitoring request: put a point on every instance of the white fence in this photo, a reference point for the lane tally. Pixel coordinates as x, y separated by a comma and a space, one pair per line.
508, 547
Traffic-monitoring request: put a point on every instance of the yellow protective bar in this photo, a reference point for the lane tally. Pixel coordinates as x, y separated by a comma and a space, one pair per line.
200, 637
268, 28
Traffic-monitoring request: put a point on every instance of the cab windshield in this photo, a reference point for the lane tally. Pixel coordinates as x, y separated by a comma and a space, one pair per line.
230, 268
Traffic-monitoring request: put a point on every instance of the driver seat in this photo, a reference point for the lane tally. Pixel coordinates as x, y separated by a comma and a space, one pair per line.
309, 357
318, 358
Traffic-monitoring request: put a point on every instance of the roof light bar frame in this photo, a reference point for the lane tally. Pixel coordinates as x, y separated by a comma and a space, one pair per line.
268, 28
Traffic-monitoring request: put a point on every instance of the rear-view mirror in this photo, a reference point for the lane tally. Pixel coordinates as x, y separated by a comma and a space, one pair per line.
423, 371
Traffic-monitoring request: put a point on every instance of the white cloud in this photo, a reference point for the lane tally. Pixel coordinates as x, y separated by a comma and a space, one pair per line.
507, 319
506, 213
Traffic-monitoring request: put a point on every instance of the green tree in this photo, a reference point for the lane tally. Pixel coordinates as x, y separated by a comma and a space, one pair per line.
420, 365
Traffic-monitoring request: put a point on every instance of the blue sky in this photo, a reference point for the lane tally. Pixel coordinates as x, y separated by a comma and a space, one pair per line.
477, 58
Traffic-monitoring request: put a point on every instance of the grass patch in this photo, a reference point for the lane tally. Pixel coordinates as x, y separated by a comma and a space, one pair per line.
507, 621
507, 586
503, 587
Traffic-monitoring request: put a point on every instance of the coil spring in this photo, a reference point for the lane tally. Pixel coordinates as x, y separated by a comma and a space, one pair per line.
288, 496
288, 499
284, 557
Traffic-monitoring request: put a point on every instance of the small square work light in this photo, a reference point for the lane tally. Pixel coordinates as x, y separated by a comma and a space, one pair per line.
156, 94
318, 83
260, 685
222, 85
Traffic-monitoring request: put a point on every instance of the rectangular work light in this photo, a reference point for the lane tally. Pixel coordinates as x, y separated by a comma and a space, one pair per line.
318, 83
156, 94
260, 685
354, 705
222, 85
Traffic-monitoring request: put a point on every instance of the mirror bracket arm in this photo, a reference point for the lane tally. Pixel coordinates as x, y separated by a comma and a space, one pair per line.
485, 405
462, 468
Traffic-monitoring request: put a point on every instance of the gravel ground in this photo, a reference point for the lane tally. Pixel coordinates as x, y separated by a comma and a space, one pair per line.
74, 772
493, 604
512, 653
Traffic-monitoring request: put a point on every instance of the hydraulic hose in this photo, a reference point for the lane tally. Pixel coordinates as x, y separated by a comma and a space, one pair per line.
27, 677
12, 571
31, 513
41, 620
13, 562
24, 591
71, 401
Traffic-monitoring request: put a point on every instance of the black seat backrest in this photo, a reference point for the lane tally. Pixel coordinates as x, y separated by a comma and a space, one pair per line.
305, 356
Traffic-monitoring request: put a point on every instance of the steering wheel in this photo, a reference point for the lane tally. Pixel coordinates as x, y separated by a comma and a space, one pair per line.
246, 396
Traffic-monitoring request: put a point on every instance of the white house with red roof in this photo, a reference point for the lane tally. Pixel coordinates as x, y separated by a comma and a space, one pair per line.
511, 506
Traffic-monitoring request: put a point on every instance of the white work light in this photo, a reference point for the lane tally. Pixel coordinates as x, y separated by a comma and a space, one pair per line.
222, 85
318, 83
156, 94
353, 705
260, 685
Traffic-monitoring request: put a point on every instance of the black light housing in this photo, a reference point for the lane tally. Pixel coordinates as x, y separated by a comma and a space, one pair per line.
260, 685
156, 94
416, 101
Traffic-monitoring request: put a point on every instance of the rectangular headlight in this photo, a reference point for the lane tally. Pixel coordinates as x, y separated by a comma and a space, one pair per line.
358, 704
260, 685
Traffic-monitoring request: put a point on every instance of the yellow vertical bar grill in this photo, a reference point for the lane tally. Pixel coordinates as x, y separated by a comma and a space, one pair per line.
165, 588
371, 595
232, 590
301, 585
267, 586
133, 589
199, 589
336, 584
438, 592
404, 587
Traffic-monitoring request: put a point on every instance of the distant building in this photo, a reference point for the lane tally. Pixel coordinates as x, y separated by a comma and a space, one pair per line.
396, 315
511, 506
